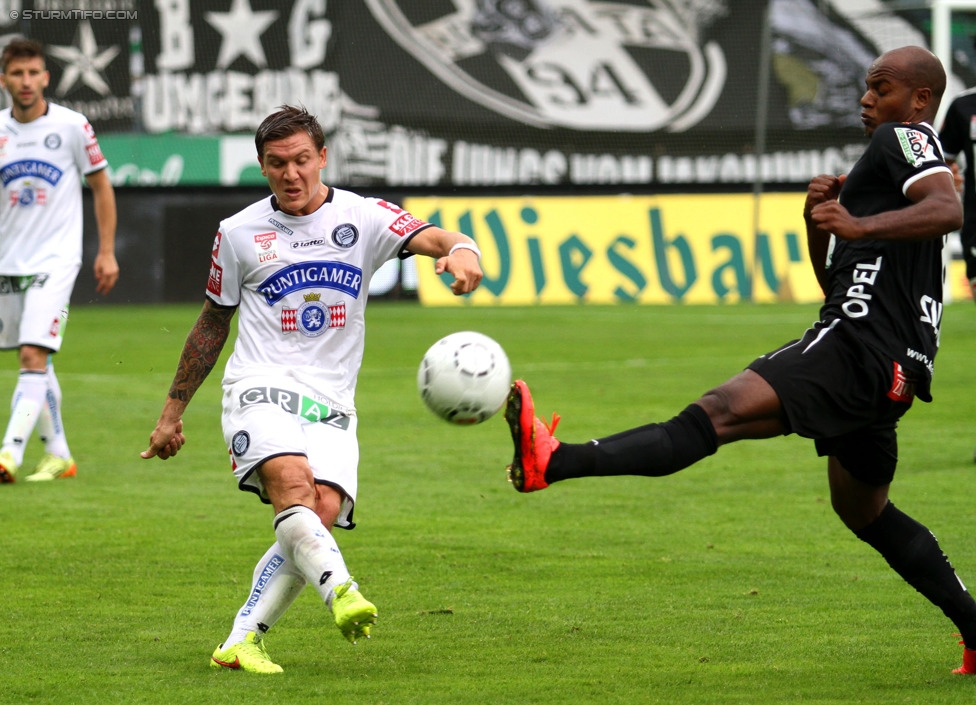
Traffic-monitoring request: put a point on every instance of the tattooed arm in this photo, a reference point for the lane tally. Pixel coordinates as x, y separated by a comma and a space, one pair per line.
200, 353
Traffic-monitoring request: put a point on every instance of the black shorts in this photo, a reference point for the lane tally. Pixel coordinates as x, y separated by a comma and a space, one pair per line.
843, 394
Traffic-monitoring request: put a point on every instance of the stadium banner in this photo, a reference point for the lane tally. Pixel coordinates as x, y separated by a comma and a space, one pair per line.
182, 160
493, 93
694, 249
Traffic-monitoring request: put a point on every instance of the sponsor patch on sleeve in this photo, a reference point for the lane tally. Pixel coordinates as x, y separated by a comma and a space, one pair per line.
406, 224
94, 154
91, 147
916, 146
215, 280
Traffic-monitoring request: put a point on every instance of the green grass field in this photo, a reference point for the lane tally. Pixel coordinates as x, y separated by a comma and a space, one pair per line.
731, 582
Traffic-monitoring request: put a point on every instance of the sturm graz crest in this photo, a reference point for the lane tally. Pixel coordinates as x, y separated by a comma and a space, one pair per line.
578, 64
345, 235
313, 316
240, 443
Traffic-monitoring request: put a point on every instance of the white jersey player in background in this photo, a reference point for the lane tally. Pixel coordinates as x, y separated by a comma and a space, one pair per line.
297, 267
45, 149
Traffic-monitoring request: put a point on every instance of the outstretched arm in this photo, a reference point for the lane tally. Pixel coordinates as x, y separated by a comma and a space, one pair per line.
200, 353
455, 253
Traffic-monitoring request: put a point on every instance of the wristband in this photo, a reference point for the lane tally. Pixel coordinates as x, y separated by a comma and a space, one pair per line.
465, 246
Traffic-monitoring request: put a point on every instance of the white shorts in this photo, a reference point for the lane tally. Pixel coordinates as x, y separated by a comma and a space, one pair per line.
264, 418
34, 310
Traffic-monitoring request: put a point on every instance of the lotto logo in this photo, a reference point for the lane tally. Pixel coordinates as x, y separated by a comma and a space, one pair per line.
390, 206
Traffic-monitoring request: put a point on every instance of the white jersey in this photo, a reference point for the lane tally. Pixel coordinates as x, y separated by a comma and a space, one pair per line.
301, 284
41, 166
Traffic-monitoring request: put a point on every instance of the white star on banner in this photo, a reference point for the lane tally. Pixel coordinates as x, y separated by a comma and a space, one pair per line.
240, 30
82, 60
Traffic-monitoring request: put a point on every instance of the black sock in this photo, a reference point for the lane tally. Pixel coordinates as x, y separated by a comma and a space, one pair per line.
914, 553
653, 450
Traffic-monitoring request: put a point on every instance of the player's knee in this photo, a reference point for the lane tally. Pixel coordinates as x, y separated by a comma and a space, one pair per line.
328, 503
855, 518
32, 357
857, 509
288, 481
717, 403
843, 510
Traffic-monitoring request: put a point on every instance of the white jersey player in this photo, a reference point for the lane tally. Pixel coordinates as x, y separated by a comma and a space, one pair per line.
297, 267
45, 151
41, 166
300, 284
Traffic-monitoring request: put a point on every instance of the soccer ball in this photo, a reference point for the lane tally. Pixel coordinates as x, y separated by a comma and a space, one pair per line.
464, 377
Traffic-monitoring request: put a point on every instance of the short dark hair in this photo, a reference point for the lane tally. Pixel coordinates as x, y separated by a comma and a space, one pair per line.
284, 123
21, 49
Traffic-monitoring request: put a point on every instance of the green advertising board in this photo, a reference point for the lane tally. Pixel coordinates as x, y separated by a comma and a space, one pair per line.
181, 160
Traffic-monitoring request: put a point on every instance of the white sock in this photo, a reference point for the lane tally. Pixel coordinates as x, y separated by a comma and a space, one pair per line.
49, 426
312, 549
275, 585
25, 407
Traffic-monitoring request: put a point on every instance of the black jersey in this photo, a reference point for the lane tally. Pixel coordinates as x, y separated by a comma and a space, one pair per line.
957, 136
890, 291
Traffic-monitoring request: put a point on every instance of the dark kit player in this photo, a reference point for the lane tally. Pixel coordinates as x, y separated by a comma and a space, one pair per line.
875, 240
957, 136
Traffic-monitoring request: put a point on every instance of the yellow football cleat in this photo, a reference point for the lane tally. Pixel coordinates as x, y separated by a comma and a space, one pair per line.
52, 467
248, 655
354, 614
